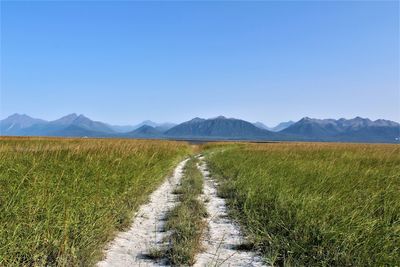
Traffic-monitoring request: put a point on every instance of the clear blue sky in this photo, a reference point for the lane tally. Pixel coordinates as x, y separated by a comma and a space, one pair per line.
123, 62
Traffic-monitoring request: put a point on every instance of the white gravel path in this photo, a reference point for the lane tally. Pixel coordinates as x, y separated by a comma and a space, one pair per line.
146, 232
223, 234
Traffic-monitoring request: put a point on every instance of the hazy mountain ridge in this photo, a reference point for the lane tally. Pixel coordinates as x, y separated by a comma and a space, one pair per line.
261, 125
162, 127
307, 129
69, 125
277, 128
352, 130
145, 131
283, 125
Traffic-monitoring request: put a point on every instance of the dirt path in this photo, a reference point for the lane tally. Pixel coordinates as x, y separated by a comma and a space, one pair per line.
131, 248
223, 235
146, 232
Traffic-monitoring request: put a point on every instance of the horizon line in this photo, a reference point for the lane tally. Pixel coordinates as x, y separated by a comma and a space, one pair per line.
210, 118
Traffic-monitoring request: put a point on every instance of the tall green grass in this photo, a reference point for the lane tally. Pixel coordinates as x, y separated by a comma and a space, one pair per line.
186, 220
62, 200
315, 204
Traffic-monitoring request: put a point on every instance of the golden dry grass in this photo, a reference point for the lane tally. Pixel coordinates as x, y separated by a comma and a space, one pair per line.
62, 200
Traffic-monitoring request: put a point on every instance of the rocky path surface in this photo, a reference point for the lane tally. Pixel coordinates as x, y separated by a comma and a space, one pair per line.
223, 237
131, 248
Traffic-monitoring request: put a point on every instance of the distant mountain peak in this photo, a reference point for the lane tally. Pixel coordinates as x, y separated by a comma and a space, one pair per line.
261, 125
145, 131
14, 124
81, 117
360, 118
148, 122
21, 118
16, 115
281, 126
220, 117
145, 128
197, 119
67, 119
72, 115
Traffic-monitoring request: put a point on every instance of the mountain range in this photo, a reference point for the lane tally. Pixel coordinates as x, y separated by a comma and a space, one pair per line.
218, 128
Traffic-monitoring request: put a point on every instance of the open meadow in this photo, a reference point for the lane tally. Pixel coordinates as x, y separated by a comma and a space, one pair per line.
62, 200
314, 204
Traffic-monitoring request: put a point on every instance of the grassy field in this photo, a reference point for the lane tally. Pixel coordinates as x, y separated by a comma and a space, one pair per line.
62, 200
314, 204
310, 204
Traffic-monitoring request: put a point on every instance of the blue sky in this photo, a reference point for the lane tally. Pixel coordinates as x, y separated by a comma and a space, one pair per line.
123, 62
